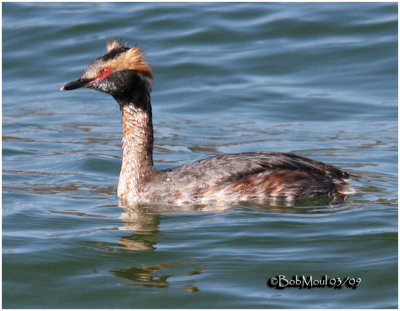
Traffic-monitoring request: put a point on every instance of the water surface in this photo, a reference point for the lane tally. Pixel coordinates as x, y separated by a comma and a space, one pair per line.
316, 79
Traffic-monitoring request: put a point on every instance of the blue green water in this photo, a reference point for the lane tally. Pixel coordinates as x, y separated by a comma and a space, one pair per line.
317, 79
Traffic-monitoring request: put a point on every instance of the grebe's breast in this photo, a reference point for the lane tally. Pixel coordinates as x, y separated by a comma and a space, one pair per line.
246, 176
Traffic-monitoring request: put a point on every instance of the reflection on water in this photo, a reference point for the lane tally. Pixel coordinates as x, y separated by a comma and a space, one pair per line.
144, 217
143, 221
157, 275
147, 276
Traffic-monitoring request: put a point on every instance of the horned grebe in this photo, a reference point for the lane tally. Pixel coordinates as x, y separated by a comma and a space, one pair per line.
252, 176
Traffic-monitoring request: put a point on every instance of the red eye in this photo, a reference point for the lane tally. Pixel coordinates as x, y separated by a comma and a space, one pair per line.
105, 72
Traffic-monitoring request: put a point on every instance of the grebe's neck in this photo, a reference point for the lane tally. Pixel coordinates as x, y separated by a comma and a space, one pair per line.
137, 145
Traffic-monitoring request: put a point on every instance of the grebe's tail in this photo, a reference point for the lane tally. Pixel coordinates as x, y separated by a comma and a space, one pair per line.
343, 186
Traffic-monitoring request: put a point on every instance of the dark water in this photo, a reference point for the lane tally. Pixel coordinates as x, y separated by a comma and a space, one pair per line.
316, 79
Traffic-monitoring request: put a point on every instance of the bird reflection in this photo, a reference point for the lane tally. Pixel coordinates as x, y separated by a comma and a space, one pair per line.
145, 218
145, 275
142, 221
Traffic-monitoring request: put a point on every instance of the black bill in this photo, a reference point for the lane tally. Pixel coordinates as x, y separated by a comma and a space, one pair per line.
75, 84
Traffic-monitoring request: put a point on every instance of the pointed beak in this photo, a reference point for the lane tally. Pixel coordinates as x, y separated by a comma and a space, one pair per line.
76, 84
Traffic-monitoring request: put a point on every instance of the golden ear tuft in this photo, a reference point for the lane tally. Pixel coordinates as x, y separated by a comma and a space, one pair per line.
132, 59
113, 45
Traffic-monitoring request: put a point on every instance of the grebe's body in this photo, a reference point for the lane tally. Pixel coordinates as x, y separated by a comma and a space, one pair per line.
123, 73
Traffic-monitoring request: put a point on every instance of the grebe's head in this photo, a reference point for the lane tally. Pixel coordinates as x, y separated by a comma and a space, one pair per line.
119, 72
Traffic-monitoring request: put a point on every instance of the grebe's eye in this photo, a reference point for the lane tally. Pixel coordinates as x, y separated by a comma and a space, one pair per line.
105, 72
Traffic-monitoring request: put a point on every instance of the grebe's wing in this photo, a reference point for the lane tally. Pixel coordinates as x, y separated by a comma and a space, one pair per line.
258, 174
233, 167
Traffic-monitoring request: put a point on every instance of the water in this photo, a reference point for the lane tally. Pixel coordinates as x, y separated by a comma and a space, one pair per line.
316, 79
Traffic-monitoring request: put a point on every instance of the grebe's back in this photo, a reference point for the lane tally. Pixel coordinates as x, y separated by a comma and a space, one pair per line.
251, 176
